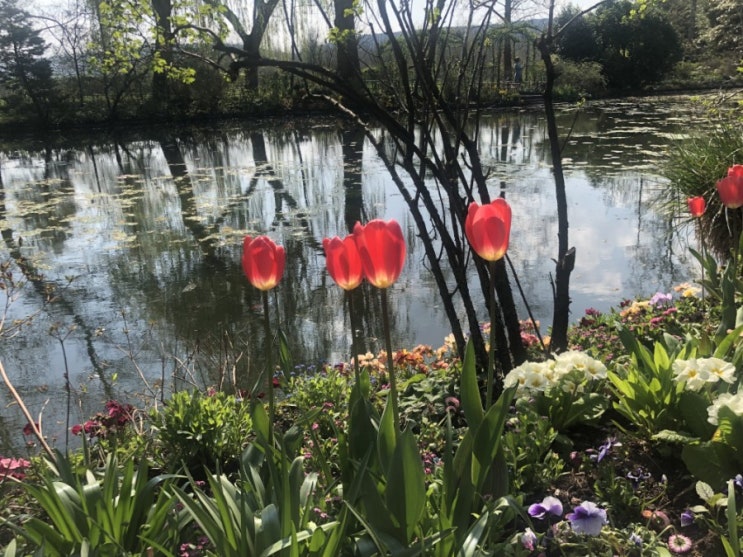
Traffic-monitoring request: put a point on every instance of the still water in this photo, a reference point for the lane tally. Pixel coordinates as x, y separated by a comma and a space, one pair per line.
136, 239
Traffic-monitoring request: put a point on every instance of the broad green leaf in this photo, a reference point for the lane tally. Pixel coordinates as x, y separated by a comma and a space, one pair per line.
469, 389
405, 492
488, 438
388, 436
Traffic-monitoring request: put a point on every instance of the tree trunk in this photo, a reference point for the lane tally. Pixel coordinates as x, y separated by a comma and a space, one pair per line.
164, 35
565, 256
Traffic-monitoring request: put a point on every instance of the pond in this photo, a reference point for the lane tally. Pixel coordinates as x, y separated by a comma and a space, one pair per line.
128, 246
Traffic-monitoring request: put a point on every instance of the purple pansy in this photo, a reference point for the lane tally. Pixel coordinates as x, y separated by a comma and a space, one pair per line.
587, 518
549, 505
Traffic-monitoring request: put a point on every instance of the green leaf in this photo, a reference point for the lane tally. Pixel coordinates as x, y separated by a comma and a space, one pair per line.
285, 356
405, 492
470, 391
732, 520
387, 438
693, 409
488, 439
704, 490
474, 536
261, 422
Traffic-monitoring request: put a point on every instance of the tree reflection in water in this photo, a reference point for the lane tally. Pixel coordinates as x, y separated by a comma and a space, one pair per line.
149, 226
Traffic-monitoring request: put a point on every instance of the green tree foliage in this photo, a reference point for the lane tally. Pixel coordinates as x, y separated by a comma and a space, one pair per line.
726, 25
633, 49
25, 75
578, 41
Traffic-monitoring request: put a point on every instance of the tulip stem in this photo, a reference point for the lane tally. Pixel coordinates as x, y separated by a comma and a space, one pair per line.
354, 337
390, 359
491, 351
269, 366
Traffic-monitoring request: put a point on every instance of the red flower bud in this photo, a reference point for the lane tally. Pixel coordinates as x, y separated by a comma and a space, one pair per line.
697, 206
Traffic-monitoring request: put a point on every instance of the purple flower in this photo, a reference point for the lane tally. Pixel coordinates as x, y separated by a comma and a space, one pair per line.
605, 449
687, 518
661, 299
529, 539
587, 518
549, 505
638, 476
636, 539
738, 481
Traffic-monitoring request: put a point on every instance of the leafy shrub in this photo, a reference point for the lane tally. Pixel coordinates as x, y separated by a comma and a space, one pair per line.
578, 79
200, 430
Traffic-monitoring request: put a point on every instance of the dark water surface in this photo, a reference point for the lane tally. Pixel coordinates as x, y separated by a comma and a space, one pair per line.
139, 239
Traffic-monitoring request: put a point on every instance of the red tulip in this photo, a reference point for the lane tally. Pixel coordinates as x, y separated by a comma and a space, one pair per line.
263, 262
488, 228
730, 187
343, 261
382, 250
697, 206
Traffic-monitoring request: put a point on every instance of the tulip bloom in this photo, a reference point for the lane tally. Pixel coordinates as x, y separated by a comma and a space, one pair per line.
382, 250
730, 188
343, 261
263, 262
697, 206
488, 228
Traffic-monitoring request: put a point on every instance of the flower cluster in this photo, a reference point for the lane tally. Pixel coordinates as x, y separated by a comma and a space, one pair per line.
13, 468
114, 419
533, 377
194, 549
698, 372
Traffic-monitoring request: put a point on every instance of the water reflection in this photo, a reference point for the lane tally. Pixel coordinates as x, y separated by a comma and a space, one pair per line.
139, 236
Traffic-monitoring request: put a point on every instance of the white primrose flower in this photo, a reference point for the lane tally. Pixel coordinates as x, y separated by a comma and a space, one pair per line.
717, 369
573, 359
734, 402
690, 372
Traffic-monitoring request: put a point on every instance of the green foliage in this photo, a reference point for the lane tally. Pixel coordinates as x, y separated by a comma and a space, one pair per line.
202, 430
268, 510
578, 80
726, 287
633, 51
645, 391
721, 458
26, 82
722, 514
528, 439
572, 401
119, 512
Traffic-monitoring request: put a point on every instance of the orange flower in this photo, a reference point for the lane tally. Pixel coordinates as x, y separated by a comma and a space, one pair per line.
697, 206
730, 187
382, 250
343, 261
488, 228
263, 262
